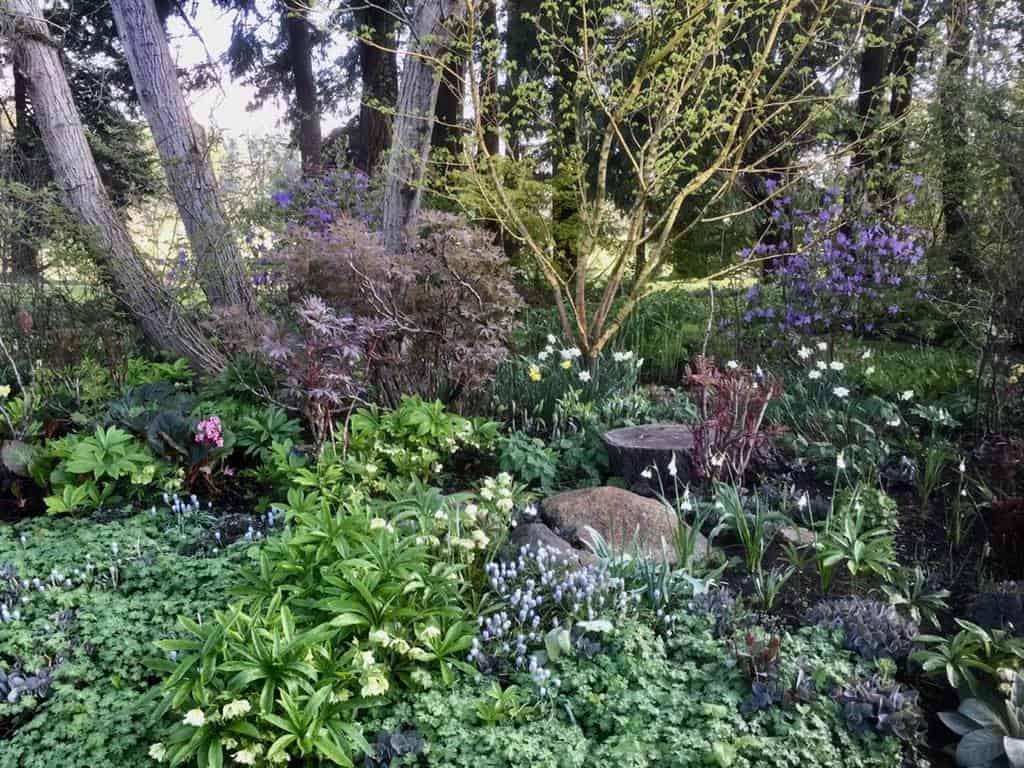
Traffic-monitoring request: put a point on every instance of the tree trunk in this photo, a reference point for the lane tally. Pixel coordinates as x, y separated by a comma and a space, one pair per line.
953, 124
161, 318
23, 263
379, 71
300, 57
185, 155
909, 40
431, 34
448, 110
873, 68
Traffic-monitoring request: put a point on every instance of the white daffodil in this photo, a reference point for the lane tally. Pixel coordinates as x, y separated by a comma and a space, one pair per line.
835, 365
551, 338
732, 365
840, 392
814, 375
822, 346
907, 394
804, 352
584, 376
865, 355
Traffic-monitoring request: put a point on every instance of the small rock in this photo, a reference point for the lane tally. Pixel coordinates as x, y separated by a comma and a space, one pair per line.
621, 518
797, 535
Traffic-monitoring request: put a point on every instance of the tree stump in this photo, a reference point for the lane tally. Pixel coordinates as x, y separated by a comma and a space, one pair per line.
634, 450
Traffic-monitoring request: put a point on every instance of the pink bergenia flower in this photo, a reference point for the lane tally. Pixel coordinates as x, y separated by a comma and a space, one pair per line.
210, 432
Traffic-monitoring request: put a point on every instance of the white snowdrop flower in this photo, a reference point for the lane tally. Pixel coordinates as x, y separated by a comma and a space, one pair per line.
814, 375
865, 355
840, 461
687, 505
835, 365
822, 346
894, 421
804, 352
195, 718
840, 392
718, 460
647, 474
732, 365
544, 355
551, 338
803, 501
907, 394
245, 757
584, 376
869, 370
530, 511
962, 467
672, 470
759, 372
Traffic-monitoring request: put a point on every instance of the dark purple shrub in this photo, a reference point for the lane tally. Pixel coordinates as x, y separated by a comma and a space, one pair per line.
324, 360
835, 271
449, 300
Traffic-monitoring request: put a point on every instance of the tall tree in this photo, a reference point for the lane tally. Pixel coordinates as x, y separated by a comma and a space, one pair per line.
300, 55
953, 125
183, 149
160, 317
448, 111
378, 67
874, 62
431, 34
908, 40
23, 260
281, 63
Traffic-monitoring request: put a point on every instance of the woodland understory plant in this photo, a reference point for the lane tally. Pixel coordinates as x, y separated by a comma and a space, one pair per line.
730, 428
